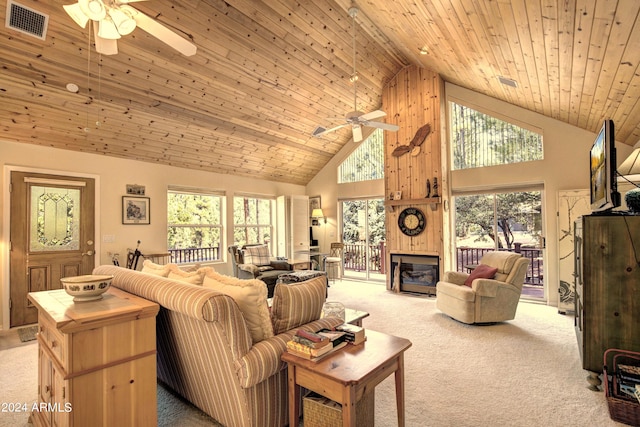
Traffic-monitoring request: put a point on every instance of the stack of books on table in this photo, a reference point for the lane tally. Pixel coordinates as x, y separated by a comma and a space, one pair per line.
353, 334
314, 346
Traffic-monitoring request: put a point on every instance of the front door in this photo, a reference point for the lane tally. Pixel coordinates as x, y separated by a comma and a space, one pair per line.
52, 236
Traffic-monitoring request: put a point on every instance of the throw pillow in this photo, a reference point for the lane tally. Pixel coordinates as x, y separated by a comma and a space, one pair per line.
193, 277
251, 298
295, 304
482, 271
150, 267
257, 255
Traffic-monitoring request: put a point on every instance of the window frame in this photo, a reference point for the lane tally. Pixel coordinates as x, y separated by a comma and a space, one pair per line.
509, 120
272, 220
221, 226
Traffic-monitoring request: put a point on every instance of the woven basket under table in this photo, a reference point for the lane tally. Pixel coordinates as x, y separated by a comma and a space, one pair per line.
318, 411
622, 409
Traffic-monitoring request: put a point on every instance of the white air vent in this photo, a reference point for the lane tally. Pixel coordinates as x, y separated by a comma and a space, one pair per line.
26, 20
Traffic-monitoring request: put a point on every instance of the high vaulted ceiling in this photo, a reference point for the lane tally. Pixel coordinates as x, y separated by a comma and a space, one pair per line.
266, 73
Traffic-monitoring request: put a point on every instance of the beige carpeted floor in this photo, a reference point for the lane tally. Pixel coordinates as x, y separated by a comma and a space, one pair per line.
520, 373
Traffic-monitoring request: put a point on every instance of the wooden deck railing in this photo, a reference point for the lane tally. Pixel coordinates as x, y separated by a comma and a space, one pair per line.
355, 257
535, 276
188, 255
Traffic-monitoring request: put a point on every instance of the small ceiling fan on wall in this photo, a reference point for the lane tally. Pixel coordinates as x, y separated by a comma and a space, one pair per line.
357, 119
115, 18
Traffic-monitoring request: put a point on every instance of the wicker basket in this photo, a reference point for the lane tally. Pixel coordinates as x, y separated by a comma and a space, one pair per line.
622, 408
319, 411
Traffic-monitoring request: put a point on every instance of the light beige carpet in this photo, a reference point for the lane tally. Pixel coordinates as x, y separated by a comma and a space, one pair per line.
520, 373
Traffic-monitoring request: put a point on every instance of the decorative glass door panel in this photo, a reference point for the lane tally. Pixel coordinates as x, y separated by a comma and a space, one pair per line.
55, 219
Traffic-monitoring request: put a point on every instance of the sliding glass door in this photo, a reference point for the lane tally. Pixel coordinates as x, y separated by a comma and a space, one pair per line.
363, 235
507, 221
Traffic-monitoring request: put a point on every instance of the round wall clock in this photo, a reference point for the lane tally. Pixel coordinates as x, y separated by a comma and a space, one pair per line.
412, 221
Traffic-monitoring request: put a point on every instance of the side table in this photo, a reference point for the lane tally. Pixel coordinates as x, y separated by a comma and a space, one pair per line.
348, 374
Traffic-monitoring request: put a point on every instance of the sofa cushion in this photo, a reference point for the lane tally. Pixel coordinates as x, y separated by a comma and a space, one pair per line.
151, 267
295, 304
194, 277
482, 271
257, 255
251, 298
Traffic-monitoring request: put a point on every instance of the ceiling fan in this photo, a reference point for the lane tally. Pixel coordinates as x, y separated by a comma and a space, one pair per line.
115, 18
357, 119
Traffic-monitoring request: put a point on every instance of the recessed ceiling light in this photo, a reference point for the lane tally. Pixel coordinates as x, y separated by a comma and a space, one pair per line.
508, 82
72, 87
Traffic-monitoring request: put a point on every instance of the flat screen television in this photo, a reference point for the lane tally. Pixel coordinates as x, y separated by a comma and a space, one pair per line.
604, 188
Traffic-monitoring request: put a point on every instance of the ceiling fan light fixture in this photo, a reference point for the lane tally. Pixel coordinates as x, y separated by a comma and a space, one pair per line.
356, 130
123, 21
107, 30
74, 11
94, 9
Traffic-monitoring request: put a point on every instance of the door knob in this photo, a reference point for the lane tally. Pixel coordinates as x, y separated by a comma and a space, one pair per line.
88, 253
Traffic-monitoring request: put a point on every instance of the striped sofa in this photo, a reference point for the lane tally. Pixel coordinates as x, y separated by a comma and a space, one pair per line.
206, 353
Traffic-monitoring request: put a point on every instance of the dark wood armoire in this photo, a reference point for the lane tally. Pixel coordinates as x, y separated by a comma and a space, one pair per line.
607, 303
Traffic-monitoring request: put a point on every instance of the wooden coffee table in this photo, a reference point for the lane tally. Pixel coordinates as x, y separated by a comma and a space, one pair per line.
348, 374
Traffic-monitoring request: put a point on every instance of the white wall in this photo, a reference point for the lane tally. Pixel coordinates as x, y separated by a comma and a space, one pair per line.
114, 174
565, 167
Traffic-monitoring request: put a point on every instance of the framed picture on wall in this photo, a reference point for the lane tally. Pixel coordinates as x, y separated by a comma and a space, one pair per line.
136, 190
136, 210
314, 203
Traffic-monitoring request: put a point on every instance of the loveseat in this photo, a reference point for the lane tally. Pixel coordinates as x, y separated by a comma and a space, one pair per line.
210, 350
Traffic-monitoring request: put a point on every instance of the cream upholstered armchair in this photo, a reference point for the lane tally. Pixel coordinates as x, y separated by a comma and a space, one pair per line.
489, 294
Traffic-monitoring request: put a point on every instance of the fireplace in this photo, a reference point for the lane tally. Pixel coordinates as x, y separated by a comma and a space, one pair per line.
415, 273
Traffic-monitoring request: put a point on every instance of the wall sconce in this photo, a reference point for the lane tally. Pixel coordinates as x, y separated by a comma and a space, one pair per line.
317, 213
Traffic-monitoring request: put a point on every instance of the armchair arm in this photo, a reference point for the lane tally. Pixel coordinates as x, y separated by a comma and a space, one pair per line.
455, 277
252, 270
280, 265
490, 287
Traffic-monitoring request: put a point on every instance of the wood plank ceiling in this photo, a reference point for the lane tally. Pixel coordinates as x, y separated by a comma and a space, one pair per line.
266, 73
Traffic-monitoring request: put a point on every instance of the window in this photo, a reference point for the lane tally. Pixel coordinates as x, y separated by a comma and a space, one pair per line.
253, 220
194, 226
366, 162
479, 140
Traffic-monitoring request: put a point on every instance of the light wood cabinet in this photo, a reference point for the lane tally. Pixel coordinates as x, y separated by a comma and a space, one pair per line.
96, 360
607, 303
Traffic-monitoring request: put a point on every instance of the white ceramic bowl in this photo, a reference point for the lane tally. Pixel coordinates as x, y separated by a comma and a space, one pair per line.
86, 288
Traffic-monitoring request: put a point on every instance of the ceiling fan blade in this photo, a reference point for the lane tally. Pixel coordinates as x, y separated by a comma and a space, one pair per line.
357, 133
104, 46
373, 115
385, 126
161, 32
319, 131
